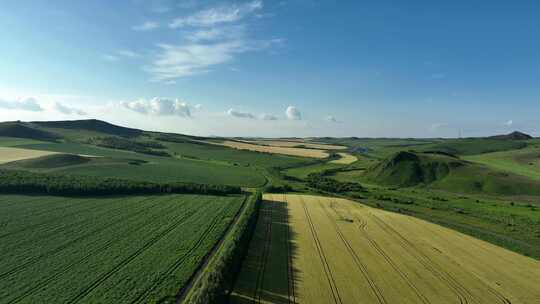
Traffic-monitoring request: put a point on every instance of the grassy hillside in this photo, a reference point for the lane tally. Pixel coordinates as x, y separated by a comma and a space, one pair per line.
51, 161
68, 128
26, 130
525, 162
472, 146
405, 169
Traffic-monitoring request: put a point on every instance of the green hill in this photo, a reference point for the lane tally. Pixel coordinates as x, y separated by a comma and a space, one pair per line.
439, 171
516, 135
90, 125
51, 161
410, 169
473, 146
25, 130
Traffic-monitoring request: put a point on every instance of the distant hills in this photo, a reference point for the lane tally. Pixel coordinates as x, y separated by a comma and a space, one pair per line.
516, 135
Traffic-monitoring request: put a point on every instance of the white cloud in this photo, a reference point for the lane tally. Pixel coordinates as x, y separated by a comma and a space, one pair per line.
268, 117
159, 106
198, 106
68, 110
293, 113
238, 114
26, 104
146, 26
180, 61
217, 15
509, 123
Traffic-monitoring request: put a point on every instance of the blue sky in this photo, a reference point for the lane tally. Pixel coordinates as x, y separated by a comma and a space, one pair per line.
275, 68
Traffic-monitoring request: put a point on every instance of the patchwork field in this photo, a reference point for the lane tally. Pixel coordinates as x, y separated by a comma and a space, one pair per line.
345, 159
303, 152
284, 143
114, 250
8, 154
311, 249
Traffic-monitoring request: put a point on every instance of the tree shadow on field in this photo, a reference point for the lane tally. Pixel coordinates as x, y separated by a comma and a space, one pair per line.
268, 273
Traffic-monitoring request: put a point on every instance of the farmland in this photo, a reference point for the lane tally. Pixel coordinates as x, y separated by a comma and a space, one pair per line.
8, 154
302, 152
133, 249
337, 251
345, 159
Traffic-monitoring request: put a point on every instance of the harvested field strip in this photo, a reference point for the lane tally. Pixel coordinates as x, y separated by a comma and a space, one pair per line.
137, 253
366, 255
13, 154
313, 153
284, 143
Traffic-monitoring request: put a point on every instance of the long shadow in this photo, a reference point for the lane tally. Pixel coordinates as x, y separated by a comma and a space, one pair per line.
268, 273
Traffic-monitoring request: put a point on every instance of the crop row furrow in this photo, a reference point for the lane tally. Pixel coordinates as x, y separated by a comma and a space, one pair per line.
326, 266
130, 258
358, 262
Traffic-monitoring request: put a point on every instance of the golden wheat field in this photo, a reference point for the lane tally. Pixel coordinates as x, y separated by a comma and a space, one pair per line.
345, 159
287, 143
13, 154
344, 252
313, 153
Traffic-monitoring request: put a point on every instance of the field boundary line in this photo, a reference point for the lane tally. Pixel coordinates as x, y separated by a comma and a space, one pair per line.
197, 274
266, 251
183, 258
290, 269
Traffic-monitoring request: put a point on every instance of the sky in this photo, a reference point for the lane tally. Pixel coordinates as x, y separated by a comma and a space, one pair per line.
383, 68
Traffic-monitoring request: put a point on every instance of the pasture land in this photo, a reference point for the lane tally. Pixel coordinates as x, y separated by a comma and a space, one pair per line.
302, 152
345, 159
344, 252
524, 162
136, 249
298, 144
9, 154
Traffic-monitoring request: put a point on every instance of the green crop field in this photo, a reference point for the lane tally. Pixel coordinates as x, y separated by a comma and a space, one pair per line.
154, 168
109, 250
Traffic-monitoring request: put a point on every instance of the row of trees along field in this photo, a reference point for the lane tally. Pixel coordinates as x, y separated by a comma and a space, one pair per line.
13, 181
145, 147
219, 277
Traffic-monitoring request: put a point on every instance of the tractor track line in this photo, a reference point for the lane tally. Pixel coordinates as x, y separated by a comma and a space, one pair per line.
133, 256
67, 268
181, 260
461, 292
322, 256
265, 253
70, 243
358, 262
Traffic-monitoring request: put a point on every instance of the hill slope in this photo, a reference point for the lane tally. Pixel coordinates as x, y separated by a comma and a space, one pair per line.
406, 169
516, 135
25, 130
92, 125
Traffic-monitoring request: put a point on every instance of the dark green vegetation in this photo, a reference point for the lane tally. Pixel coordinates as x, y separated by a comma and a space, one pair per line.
25, 130
321, 182
12, 181
218, 278
120, 143
136, 249
51, 161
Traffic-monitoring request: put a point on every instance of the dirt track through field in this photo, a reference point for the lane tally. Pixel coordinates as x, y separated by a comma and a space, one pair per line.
344, 252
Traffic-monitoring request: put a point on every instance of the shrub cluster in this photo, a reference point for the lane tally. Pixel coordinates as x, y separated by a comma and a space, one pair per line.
217, 281
321, 182
145, 147
12, 181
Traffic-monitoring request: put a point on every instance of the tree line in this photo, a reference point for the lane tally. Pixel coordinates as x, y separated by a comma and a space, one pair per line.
13, 181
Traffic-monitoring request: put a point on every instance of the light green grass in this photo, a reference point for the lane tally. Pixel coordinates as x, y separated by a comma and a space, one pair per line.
524, 162
14, 141
107, 250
